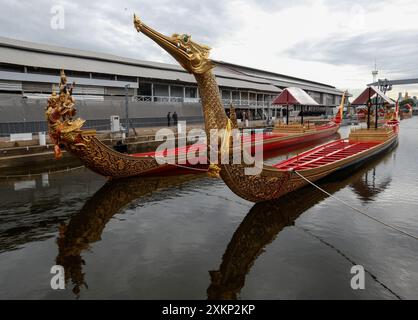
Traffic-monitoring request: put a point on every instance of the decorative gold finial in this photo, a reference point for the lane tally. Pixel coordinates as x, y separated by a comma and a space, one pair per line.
59, 113
192, 56
137, 23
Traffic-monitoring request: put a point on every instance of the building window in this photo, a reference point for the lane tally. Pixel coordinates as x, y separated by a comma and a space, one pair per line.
127, 79
329, 101
226, 94
11, 67
37, 87
77, 74
145, 89
176, 91
161, 90
103, 76
316, 96
338, 100
244, 96
191, 92
36, 70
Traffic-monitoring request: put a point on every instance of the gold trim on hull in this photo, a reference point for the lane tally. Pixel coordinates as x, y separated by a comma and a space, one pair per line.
107, 162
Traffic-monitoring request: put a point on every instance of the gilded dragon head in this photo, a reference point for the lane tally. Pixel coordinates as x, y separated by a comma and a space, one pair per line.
192, 56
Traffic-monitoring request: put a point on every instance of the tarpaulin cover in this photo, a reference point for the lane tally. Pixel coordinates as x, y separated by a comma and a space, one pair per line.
294, 96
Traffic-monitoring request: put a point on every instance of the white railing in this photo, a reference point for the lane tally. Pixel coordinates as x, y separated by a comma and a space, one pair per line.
247, 103
166, 99
226, 102
143, 98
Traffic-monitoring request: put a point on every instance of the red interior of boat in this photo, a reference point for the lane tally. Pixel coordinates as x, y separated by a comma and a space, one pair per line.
325, 154
173, 152
265, 136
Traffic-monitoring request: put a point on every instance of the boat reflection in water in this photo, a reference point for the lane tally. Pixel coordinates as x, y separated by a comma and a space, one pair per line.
266, 220
86, 227
367, 188
259, 228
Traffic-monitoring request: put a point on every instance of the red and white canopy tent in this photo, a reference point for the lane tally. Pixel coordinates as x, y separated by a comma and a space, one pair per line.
366, 98
296, 97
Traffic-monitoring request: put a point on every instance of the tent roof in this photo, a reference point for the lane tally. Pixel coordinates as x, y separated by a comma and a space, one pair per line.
294, 96
371, 92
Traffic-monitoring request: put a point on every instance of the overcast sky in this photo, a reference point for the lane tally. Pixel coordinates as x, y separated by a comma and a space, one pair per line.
331, 41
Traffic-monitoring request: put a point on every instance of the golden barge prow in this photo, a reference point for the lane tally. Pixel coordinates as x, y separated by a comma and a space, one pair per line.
273, 181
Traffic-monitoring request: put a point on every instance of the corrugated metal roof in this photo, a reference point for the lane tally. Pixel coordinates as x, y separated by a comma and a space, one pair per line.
40, 47
29, 77
281, 80
233, 83
47, 56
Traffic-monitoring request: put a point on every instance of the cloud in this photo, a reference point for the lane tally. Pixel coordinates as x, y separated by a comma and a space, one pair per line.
107, 25
393, 51
330, 41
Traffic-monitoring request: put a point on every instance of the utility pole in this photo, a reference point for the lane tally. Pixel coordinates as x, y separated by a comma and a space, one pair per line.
127, 108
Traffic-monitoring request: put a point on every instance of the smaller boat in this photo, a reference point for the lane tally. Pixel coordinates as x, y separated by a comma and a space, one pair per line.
285, 134
312, 165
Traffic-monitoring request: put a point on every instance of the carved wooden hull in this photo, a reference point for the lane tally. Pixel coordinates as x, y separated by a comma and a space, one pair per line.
107, 162
276, 181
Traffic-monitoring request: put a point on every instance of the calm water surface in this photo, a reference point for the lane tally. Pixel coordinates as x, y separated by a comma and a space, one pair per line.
190, 237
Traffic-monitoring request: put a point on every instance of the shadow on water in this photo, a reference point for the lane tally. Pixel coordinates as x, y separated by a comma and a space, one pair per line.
86, 227
266, 220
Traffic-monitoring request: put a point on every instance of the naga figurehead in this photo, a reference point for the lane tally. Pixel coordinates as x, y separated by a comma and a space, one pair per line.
192, 56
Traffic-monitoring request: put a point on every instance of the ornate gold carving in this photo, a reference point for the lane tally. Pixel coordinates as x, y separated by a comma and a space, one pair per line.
192, 56
271, 183
95, 155
233, 116
59, 113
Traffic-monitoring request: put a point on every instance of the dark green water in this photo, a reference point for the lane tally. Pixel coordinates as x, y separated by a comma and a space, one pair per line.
190, 237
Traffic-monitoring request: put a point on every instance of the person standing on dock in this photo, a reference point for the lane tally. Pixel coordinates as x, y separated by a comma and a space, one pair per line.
168, 119
175, 118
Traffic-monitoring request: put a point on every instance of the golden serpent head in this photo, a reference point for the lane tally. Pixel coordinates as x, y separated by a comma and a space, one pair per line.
192, 56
